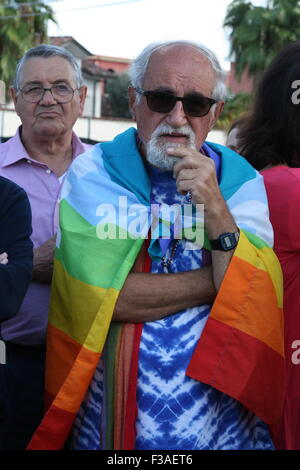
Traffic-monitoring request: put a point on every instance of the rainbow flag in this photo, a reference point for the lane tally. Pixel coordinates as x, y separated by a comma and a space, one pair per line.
240, 351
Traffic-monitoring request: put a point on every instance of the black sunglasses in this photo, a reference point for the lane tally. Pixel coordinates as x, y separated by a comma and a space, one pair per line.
163, 102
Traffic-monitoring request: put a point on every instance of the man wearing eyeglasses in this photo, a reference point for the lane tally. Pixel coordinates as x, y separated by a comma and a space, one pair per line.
49, 95
181, 368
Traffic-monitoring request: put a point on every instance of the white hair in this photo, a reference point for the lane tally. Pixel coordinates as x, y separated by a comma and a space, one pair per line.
45, 51
138, 68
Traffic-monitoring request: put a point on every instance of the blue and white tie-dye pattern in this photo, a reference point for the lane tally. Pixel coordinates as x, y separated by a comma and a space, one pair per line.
174, 411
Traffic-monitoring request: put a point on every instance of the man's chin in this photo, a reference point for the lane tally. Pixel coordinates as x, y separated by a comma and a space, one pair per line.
165, 162
48, 128
157, 156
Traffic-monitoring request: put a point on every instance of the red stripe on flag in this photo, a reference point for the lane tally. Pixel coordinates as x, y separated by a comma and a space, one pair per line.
242, 367
52, 430
131, 405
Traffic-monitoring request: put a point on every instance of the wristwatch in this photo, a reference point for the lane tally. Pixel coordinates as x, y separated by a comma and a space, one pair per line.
225, 242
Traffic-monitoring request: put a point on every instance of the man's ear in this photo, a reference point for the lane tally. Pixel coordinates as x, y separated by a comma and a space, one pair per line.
82, 97
13, 94
216, 113
132, 101
14, 97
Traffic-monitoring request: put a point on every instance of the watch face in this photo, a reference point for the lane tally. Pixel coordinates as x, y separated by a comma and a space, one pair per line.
228, 241
225, 242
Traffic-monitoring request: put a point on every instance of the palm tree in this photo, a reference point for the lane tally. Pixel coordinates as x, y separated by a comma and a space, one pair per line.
23, 24
257, 33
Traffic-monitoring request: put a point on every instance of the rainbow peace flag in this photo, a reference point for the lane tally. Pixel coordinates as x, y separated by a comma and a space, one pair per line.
240, 351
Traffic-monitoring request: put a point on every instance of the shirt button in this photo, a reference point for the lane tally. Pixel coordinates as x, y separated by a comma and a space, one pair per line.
29, 161
48, 171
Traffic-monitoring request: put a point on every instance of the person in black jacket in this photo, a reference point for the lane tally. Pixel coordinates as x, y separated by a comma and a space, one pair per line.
15, 247
15, 269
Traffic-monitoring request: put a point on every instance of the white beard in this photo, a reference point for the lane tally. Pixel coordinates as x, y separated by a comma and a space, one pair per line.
156, 151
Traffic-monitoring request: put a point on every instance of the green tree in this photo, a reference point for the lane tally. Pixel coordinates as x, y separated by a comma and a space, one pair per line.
257, 33
235, 107
23, 24
117, 96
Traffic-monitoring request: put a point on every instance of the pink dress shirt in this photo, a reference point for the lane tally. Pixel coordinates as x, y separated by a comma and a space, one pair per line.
42, 186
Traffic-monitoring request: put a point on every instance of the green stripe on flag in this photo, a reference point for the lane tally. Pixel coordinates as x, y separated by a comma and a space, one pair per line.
255, 240
105, 263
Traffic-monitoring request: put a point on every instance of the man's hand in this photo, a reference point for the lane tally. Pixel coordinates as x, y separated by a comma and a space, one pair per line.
3, 258
196, 173
43, 261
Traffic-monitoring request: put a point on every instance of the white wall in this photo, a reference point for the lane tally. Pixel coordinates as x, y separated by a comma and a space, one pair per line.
95, 129
88, 105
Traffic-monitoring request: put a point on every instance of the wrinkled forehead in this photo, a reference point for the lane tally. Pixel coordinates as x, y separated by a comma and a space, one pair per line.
47, 69
180, 67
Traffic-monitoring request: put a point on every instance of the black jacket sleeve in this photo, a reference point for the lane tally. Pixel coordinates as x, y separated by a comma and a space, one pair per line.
15, 231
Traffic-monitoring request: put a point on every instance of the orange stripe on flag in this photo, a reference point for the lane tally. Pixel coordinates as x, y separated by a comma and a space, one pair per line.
74, 388
252, 310
63, 352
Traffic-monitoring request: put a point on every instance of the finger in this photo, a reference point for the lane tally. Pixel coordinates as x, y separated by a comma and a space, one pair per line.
188, 174
3, 258
185, 185
187, 163
182, 151
194, 161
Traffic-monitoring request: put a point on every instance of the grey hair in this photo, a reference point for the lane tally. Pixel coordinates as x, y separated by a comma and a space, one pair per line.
138, 68
45, 51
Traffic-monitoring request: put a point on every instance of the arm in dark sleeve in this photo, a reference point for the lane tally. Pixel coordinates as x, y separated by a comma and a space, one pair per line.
15, 231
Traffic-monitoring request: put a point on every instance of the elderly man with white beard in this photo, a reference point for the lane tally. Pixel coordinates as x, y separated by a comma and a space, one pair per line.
155, 342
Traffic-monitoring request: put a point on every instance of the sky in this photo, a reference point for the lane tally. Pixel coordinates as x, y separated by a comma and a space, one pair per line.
122, 28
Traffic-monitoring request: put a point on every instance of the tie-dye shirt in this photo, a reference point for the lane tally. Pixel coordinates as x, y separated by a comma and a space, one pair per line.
175, 412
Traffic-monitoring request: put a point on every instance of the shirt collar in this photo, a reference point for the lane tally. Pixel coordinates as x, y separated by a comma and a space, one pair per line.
78, 147
16, 150
209, 152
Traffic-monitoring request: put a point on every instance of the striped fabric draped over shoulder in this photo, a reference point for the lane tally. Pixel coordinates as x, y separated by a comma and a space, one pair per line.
240, 351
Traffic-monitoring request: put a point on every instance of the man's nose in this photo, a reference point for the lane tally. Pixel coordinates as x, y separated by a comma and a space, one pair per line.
177, 117
47, 98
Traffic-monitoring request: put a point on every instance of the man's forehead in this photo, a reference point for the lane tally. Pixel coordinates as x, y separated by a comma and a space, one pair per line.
182, 64
172, 53
52, 68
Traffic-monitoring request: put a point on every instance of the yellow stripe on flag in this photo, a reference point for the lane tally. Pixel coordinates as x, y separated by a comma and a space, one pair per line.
84, 312
262, 258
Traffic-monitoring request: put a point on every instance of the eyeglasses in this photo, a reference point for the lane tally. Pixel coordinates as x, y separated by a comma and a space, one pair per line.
61, 93
163, 102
